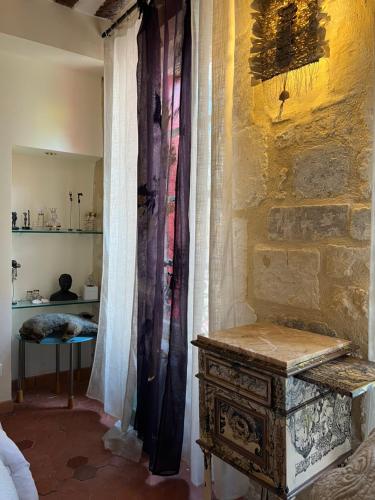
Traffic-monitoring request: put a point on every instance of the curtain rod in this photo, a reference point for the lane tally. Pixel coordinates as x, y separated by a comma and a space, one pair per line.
108, 31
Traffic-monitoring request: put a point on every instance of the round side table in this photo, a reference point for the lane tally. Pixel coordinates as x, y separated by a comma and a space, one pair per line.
57, 342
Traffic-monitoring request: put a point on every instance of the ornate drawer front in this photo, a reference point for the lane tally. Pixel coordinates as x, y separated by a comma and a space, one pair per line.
247, 382
241, 429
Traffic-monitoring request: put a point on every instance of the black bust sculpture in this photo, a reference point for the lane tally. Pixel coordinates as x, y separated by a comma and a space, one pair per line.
65, 282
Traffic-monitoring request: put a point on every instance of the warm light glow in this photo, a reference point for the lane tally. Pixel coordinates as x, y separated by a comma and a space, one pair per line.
288, 34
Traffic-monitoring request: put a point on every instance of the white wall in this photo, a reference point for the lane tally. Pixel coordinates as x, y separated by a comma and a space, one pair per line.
47, 106
51, 24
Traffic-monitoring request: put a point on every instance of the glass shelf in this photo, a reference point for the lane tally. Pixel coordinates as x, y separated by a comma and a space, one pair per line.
25, 304
53, 231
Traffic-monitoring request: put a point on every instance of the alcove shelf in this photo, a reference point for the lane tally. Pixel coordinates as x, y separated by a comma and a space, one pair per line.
41, 181
53, 231
26, 304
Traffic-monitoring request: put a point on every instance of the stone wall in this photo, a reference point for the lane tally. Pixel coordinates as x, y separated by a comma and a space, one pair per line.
302, 181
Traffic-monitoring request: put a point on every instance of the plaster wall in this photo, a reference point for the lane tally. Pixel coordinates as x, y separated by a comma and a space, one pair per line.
47, 106
54, 25
302, 180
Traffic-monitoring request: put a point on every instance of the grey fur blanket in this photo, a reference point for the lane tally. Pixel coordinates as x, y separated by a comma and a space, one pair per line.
65, 326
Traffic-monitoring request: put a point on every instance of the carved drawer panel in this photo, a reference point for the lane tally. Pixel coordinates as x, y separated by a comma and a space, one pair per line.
233, 375
242, 429
244, 433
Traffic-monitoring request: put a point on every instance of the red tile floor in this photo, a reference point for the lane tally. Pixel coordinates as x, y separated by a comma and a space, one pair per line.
68, 460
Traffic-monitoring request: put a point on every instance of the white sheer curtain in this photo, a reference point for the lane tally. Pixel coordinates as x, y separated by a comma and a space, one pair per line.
212, 294
199, 219
113, 379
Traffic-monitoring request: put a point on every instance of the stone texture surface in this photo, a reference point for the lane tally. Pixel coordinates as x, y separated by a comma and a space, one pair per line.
365, 159
351, 302
310, 326
322, 172
288, 277
360, 223
347, 262
240, 246
248, 174
278, 345
243, 311
311, 222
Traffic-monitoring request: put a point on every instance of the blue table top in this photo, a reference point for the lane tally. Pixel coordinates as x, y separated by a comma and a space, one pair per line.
58, 341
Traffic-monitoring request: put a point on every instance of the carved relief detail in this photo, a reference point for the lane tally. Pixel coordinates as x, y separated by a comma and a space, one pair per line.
318, 428
252, 384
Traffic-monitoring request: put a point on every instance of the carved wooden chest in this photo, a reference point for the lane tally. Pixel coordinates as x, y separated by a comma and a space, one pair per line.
272, 404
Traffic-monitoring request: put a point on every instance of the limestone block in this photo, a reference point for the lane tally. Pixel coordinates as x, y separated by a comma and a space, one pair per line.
308, 223
287, 277
364, 160
351, 302
360, 224
240, 251
347, 262
288, 137
249, 166
322, 172
309, 326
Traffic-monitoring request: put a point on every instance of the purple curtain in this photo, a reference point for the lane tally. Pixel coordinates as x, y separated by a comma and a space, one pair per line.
164, 66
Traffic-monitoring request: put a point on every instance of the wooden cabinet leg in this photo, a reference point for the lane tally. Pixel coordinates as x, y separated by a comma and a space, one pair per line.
207, 494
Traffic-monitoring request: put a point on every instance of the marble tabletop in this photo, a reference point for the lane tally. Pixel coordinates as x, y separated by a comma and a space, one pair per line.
288, 349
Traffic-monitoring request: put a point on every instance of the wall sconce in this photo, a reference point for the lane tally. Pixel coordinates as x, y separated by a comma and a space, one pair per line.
287, 35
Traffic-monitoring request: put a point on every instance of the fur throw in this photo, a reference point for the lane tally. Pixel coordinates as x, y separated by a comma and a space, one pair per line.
65, 326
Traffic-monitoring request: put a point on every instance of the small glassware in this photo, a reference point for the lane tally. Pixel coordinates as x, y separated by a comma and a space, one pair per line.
54, 221
90, 224
36, 294
29, 295
40, 218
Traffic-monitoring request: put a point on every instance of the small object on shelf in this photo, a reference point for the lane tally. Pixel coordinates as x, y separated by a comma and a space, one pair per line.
54, 223
36, 294
90, 290
15, 265
26, 221
79, 195
65, 282
29, 295
90, 224
14, 221
40, 222
40, 300
70, 210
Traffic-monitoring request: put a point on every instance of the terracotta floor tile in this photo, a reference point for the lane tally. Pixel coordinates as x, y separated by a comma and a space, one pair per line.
84, 472
46, 486
75, 462
68, 459
25, 444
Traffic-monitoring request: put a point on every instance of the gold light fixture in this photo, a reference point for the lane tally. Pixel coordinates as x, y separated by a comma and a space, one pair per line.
287, 35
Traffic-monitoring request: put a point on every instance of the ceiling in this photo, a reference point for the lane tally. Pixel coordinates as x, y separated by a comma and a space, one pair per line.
108, 9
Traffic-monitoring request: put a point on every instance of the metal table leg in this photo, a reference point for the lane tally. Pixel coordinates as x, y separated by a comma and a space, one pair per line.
21, 370
57, 389
71, 378
79, 362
